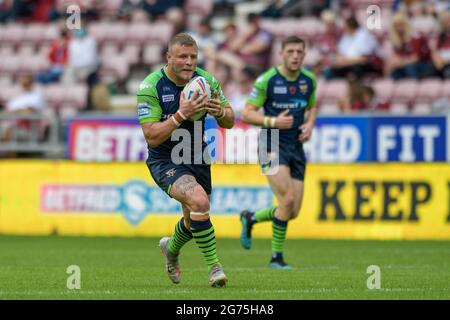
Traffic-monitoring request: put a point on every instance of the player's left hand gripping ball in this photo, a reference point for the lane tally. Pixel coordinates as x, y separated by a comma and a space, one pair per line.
214, 107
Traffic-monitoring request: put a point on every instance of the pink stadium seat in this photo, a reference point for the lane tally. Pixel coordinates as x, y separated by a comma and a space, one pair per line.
13, 33
424, 24
55, 94
51, 32
335, 89
132, 52
77, 95
162, 31
10, 64
204, 6
429, 90
405, 91
399, 108
421, 108
445, 90
152, 54
116, 32
99, 31
139, 33
384, 88
9, 92
117, 65
35, 33
329, 108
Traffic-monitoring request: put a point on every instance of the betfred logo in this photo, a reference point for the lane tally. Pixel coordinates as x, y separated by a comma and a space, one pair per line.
136, 199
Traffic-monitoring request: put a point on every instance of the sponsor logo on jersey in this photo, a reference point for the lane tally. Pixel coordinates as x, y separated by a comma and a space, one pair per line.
254, 94
303, 88
144, 85
168, 98
279, 90
279, 105
292, 89
143, 110
167, 88
279, 82
171, 172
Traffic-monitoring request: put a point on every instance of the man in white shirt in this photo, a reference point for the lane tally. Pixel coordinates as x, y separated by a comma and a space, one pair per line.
31, 100
356, 53
83, 57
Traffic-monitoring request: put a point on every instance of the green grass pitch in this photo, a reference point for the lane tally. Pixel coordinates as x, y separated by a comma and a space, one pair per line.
133, 268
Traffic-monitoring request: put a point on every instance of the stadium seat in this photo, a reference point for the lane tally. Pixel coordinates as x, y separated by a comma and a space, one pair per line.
334, 90
51, 32
405, 91
445, 89
384, 88
34, 33
9, 92
132, 52
13, 33
139, 32
203, 6
99, 31
162, 31
424, 24
152, 54
421, 108
329, 109
117, 65
399, 108
429, 90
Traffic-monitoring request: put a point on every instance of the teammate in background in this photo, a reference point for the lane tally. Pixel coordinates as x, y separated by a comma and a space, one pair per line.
286, 93
162, 109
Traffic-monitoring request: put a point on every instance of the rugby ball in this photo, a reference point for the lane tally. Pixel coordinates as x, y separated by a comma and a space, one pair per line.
199, 84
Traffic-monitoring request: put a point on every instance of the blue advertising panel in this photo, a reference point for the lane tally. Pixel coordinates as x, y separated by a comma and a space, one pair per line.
408, 139
339, 139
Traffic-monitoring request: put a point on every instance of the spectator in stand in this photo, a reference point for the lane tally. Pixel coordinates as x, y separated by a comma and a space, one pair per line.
82, 61
30, 101
361, 98
159, 8
252, 47
441, 52
239, 90
357, 53
327, 43
206, 43
6, 12
411, 57
58, 59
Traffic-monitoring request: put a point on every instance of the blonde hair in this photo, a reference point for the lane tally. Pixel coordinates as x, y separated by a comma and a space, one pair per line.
393, 34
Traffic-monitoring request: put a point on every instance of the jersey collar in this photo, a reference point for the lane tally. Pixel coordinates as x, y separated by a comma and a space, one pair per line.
286, 77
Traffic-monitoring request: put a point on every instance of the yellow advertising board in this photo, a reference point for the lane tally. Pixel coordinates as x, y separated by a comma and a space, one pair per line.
346, 201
